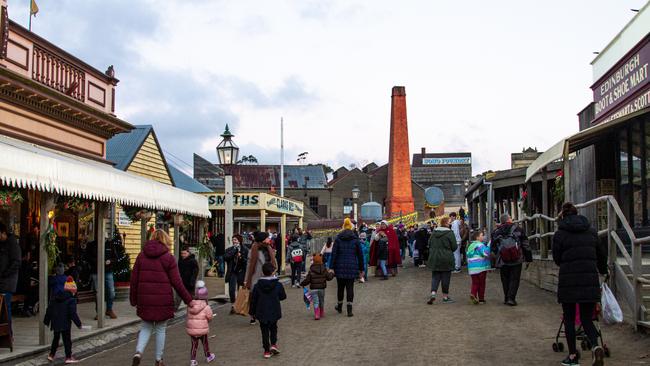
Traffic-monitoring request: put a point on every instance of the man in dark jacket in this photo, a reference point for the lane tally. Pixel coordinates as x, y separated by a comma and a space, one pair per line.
10, 259
422, 245
510, 269
236, 258
110, 258
219, 242
266, 308
188, 267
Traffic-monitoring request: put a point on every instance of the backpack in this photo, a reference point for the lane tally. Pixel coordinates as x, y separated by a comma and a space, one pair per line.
296, 255
509, 248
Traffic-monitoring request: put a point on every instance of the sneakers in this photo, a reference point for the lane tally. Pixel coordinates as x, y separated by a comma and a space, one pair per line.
252, 322
473, 299
194, 363
70, 360
50, 357
210, 358
267, 355
111, 314
511, 303
275, 350
431, 299
136, 359
568, 361
448, 300
160, 363
456, 271
598, 356
481, 302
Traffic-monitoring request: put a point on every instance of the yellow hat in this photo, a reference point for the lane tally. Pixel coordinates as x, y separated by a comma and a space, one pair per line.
347, 224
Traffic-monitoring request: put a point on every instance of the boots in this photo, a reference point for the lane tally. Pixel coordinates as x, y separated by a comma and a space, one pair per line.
350, 310
111, 314
339, 307
316, 313
322, 312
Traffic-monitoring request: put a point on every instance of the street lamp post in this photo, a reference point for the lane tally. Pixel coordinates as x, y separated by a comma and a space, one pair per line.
355, 197
228, 154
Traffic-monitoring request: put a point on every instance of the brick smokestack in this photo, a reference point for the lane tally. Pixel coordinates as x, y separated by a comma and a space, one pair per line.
399, 195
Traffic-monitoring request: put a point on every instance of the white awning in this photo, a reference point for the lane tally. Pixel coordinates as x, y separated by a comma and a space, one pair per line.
554, 153
26, 165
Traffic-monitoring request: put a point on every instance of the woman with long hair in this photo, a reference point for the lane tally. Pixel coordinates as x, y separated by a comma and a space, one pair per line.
327, 252
347, 264
154, 275
580, 256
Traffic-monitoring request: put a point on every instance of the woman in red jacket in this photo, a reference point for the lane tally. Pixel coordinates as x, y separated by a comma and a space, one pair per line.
154, 274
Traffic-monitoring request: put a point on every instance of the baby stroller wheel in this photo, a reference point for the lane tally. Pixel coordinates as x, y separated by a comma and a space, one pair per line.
561, 346
556, 348
606, 349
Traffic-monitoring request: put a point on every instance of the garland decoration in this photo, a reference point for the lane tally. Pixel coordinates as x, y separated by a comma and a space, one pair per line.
9, 197
558, 187
51, 248
135, 214
204, 248
73, 203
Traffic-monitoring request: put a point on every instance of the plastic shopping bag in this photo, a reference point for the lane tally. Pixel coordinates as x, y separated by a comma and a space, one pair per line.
612, 312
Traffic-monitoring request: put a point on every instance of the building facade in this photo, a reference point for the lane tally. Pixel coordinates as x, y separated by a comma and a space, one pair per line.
451, 172
524, 158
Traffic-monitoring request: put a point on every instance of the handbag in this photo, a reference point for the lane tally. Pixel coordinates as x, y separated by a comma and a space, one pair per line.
212, 272
242, 301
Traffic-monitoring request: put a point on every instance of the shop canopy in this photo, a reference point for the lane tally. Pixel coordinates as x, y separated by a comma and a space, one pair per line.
574, 143
25, 165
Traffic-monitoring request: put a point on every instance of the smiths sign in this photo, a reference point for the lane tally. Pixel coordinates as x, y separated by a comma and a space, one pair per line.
446, 161
241, 200
257, 201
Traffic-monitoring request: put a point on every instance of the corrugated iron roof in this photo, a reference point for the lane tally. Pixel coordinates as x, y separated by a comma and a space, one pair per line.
185, 182
122, 148
304, 176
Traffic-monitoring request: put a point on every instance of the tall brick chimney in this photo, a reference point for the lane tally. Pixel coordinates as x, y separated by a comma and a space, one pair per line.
399, 195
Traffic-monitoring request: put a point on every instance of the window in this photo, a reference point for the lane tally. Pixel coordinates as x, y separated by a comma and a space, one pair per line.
457, 190
347, 206
313, 203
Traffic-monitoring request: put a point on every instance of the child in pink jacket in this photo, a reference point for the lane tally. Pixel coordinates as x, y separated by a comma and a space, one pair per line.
197, 324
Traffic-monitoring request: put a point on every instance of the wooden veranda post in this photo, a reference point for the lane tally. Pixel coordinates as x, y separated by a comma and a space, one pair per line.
47, 204
543, 226
611, 245
100, 286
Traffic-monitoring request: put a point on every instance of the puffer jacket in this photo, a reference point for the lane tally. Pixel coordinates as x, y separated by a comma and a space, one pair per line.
347, 257
199, 316
442, 245
581, 256
317, 277
154, 274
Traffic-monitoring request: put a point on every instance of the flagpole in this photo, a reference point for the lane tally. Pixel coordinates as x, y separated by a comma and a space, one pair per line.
281, 157
30, 17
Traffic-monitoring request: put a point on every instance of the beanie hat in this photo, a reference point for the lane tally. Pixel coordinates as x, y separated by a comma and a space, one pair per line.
347, 224
260, 236
318, 258
70, 285
201, 292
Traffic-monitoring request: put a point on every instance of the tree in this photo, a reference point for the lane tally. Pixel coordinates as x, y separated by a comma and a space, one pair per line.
250, 159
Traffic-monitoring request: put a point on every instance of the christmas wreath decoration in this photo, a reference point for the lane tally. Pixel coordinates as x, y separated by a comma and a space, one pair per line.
73, 203
204, 248
9, 196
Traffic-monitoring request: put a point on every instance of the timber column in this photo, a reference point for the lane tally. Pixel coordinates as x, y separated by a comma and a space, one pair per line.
399, 196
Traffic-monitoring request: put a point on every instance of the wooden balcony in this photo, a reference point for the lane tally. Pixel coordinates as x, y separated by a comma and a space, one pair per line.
35, 58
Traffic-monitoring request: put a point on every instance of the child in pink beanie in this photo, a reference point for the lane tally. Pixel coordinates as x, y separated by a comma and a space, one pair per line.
197, 324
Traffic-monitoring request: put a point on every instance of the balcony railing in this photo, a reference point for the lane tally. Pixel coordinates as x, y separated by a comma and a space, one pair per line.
55, 72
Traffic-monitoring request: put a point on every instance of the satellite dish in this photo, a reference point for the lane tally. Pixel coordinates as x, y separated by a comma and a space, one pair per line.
434, 196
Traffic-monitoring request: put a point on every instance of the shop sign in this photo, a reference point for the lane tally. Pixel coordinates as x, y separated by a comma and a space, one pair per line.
635, 105
621, 83
123, 218
447, 161
240, 200
283, 205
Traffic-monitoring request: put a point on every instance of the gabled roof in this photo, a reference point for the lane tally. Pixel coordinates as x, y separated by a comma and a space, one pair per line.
123, 148
185, 182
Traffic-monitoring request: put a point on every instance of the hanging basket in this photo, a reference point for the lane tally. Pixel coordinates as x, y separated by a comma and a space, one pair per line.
74, 204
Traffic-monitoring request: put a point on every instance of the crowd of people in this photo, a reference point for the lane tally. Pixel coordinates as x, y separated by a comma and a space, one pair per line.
443, 248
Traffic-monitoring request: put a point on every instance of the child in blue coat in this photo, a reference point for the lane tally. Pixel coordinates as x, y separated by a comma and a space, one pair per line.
265, 307
61, 312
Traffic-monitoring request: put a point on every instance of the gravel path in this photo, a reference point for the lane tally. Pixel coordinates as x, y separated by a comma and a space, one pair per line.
393, 325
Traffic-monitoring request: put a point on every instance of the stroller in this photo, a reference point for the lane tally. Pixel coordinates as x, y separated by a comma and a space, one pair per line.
581, 336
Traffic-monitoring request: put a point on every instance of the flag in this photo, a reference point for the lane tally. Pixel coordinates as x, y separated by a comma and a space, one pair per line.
33, 8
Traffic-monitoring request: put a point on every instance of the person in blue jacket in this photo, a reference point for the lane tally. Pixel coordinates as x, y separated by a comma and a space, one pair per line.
61, 313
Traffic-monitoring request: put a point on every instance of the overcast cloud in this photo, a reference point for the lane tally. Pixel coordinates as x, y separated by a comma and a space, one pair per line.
486, 77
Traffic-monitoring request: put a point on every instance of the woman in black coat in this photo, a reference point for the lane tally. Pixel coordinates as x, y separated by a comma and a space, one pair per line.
580, 256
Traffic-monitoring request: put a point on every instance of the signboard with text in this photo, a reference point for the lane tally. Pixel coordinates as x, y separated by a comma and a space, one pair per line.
620, 92
447, 161
257, 201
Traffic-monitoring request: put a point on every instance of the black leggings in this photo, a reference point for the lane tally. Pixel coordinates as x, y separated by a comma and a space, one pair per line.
295, 273
67, 343
345, 285
586, 316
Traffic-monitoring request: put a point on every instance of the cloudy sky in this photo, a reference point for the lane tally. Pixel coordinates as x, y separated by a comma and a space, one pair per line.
490, 77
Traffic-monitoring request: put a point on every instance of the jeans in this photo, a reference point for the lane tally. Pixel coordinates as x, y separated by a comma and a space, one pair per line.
220, 265
327, 258
7, 296
295, 273
345, 285
586, 318
402, 252
411, 248
382, 265
437, 277
318, 297
478, 285
510, 277
148, 328
67, 343
195, 346
457, 257
269, 334
236, 280
365, 269
109, 288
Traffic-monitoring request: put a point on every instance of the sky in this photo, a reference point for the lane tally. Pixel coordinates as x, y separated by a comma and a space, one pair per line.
488, 77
